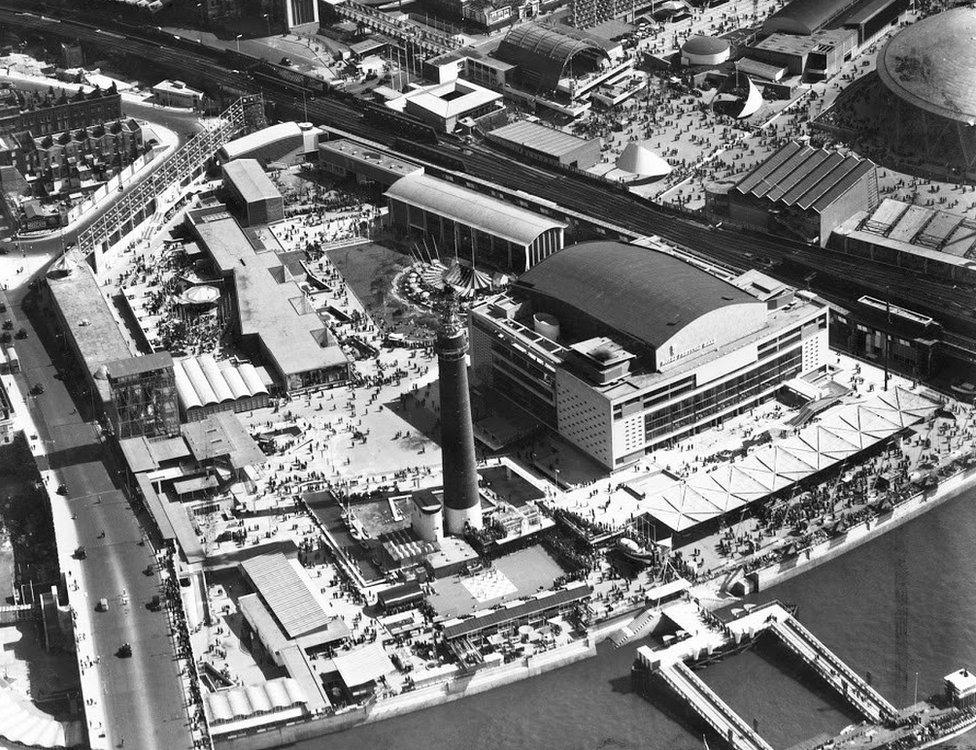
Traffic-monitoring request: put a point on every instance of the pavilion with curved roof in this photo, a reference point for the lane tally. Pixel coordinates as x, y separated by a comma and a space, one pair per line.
544, 54
651, 299
470, 225
621, 348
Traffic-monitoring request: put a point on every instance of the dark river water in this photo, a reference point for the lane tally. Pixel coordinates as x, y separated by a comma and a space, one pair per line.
901, 604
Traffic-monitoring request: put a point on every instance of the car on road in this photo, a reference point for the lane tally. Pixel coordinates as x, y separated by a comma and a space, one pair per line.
125, 651
62, 490
80, 553
37, 389
102, 605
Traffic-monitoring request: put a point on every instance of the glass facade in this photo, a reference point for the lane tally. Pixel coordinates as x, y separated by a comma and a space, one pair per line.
303, 11
145, 404
710, 401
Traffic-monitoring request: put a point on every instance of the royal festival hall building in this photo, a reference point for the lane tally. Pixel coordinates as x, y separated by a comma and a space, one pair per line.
621, 348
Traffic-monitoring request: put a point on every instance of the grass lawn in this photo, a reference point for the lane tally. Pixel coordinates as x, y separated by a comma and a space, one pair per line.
369, 270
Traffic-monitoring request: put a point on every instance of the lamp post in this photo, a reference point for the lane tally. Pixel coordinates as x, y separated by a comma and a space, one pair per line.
267, 17
237, 41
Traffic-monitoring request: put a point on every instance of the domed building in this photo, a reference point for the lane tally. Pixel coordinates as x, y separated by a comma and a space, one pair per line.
705, 50
930, 67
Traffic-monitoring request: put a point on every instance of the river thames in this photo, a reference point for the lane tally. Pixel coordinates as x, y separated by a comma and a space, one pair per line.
901, 604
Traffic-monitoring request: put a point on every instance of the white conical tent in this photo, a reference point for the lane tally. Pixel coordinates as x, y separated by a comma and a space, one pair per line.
638, 159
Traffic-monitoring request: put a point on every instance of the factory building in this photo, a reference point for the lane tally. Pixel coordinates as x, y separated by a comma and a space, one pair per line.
493, 233
804, 191
621, 348
253, 192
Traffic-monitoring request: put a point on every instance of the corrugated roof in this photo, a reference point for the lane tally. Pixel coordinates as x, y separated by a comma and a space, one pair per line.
540, 138
250, 180
525, 608
364, 665
805, 16
286, 595
471, 209
242, 702
646, 294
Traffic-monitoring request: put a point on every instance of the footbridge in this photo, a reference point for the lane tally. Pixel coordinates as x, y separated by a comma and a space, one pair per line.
716, 713
868, 701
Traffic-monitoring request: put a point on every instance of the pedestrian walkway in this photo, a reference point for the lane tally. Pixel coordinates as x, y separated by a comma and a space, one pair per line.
831, 668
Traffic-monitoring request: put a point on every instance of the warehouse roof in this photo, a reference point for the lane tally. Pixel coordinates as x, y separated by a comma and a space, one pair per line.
538, 137
250, 143
543, 52
472, 209
805, 16
87, 314
250, 180
222, 435
807, 177
516, 610
286, 594
643, 293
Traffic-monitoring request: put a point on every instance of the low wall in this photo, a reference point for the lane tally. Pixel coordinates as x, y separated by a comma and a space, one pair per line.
414, 700
862, 532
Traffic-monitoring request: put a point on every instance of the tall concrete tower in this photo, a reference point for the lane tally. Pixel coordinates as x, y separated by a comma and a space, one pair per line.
461, 502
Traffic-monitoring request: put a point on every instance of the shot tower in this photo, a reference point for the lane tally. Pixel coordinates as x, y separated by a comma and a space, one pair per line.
461, 502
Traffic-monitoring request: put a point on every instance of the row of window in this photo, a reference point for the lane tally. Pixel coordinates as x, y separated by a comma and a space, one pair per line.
714, 400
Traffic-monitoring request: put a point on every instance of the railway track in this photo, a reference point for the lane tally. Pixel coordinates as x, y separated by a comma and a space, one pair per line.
837, 277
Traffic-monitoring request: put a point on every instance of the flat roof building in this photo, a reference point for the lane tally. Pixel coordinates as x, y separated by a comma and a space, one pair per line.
253, 192
495, 233
283, 611
815, 56
546, 144
621, 348
928, 240
172, 93
804, 191
271, 313
345, 157
444, 105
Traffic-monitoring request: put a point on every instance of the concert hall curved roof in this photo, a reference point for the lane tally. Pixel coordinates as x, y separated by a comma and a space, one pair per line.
932, 64
645, 294
542, 52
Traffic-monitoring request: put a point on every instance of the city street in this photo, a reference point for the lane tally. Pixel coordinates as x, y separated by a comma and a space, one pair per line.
141, 696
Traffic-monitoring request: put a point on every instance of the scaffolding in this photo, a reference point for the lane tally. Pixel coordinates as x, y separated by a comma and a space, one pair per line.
141, 202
